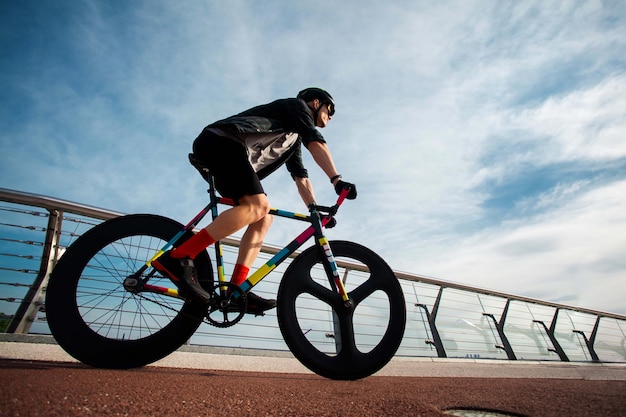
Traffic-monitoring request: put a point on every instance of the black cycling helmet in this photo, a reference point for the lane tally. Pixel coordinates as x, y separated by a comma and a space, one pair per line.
312, 93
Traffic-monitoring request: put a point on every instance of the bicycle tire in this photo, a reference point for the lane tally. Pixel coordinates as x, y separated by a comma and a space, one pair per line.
96, 320
303, 288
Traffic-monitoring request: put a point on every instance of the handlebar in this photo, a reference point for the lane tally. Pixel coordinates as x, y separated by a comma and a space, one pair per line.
333, 209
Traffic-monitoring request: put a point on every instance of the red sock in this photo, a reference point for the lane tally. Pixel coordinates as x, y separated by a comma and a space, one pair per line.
196, 244
240, 274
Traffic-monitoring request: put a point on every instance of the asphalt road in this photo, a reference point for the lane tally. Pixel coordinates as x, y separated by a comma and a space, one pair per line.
41, 380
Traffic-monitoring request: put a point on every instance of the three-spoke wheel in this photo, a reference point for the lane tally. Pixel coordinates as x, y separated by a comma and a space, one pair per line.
331, 338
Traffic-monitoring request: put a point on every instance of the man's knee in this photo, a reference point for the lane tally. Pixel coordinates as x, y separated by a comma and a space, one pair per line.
267, 221
258, 205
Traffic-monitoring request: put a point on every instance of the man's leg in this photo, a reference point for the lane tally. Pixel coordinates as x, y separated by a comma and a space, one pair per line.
249, 248
252, 240
250, 210
253, 209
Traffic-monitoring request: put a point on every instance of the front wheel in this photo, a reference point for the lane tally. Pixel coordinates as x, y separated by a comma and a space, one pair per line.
99, 322
328, 337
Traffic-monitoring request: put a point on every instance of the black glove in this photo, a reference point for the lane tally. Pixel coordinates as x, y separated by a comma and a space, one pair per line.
341, 185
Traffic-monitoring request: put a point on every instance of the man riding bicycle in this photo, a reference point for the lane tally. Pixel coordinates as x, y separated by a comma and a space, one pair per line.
240, 151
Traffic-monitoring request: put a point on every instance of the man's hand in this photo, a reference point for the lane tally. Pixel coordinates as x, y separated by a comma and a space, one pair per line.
340, 185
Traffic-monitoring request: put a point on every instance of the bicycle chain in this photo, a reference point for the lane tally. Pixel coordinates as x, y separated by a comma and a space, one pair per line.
206, 318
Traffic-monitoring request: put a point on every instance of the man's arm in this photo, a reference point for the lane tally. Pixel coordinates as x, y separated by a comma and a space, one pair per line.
305, 188
321, 156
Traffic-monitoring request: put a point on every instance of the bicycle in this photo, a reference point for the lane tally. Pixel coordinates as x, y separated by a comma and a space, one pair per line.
108, 307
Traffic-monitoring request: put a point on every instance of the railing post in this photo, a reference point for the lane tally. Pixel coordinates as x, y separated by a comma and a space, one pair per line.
506, 346
556, 347
431, 317
591, 341
34, 299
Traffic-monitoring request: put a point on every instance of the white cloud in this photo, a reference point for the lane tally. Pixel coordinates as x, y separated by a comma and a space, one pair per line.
585, 124
575, 250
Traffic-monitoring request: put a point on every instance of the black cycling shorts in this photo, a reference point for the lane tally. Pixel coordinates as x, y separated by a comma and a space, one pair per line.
228, 162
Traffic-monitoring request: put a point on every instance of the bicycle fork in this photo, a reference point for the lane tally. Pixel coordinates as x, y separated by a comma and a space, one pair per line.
330, 266
332, 270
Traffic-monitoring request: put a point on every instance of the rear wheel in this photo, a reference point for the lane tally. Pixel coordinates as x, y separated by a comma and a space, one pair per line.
100, 323
328, 337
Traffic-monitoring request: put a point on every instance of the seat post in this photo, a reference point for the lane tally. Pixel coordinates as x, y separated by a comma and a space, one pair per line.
212, 195
204, 171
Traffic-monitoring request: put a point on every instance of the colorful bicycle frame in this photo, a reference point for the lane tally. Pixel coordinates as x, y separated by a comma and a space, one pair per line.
316, 229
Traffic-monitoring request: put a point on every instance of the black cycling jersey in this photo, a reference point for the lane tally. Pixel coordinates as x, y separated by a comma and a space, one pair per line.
272, 135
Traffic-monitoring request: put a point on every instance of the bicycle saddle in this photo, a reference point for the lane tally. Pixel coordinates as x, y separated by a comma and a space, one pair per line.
202, 168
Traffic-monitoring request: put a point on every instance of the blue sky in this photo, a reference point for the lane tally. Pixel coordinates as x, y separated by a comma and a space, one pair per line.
487, 138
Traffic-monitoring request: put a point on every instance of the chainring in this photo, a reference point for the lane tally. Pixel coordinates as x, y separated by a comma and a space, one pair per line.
227, 305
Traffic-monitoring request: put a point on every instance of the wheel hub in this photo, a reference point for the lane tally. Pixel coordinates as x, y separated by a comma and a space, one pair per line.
133, 284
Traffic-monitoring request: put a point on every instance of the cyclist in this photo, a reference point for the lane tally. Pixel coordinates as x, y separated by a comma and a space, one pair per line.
240, 151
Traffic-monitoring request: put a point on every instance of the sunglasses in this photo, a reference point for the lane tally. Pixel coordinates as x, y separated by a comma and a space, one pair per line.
331, 109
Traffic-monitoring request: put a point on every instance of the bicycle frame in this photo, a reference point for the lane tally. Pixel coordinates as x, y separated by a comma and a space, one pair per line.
319, 217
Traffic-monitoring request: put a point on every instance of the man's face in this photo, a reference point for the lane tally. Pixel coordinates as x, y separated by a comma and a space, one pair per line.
323, 116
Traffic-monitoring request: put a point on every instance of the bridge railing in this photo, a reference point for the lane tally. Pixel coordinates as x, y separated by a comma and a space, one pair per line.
444, 319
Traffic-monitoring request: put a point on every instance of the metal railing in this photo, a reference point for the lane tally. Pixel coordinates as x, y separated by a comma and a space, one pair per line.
443, 319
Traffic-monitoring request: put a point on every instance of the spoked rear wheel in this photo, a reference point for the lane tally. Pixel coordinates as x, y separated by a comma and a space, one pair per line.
99, 322
328, 337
